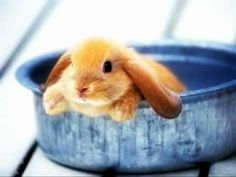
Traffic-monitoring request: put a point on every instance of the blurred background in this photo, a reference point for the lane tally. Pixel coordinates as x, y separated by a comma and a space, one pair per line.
29, 28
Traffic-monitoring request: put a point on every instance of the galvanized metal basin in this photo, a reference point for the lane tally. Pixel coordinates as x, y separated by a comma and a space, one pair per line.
204, 131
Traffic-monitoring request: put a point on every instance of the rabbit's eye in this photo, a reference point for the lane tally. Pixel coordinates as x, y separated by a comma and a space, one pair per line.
107, 67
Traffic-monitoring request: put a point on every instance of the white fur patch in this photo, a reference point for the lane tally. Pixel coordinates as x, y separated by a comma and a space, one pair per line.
89, 102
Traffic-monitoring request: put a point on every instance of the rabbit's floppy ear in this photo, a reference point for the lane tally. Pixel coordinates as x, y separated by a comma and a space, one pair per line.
165, 102
57, 70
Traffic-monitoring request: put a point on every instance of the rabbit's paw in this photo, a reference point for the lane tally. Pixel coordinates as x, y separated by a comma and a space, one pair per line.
125, 108
119, 114
54, 102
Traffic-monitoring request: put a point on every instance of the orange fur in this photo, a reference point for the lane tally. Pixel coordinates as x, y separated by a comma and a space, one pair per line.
57, 70
162, 100
116, 93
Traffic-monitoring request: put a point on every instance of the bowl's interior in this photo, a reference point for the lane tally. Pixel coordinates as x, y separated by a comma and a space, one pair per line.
197, 67
197, 75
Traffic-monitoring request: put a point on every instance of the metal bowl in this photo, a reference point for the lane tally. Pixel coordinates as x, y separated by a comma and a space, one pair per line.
205, 130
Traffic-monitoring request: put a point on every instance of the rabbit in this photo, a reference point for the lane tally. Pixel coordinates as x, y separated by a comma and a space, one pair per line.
104, 77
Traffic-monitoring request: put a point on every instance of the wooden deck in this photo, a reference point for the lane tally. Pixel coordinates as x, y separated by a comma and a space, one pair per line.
29, 28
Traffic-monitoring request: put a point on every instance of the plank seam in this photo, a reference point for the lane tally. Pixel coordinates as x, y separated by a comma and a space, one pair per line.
27, 36
204, 169
21, 168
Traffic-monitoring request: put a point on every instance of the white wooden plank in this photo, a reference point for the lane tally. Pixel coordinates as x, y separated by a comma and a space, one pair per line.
41, 166
17, 124
129, 21
212, 20
225, 167
17, 128
15, 19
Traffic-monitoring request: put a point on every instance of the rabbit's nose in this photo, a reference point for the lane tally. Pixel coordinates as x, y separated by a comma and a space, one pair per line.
82, 91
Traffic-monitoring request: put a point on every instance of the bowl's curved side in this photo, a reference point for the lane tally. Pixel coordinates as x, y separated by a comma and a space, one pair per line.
26, 74
203, 132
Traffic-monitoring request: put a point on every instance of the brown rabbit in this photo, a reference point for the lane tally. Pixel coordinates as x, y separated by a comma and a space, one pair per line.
101, 77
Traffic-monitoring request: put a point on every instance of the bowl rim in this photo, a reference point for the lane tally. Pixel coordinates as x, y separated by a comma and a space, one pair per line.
22, 72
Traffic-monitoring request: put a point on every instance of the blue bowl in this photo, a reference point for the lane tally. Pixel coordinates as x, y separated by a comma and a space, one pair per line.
205, 131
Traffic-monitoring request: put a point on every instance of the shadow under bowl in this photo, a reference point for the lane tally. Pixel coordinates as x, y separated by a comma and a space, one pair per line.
205, 130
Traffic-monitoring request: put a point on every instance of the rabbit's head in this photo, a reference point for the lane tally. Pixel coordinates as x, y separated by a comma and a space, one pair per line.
97, 72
